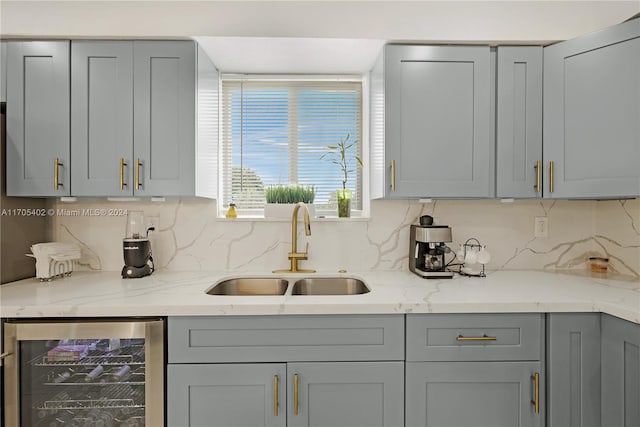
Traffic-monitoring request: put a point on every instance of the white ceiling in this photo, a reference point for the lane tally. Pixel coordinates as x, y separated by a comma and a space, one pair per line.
277, 55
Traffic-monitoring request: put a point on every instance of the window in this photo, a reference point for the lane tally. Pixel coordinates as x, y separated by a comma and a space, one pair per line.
275, 131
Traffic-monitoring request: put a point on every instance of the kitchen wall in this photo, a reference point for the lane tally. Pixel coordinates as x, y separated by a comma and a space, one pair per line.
617, 233
190, 237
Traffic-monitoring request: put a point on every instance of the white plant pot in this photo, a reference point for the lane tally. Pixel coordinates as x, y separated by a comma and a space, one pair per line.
284, 210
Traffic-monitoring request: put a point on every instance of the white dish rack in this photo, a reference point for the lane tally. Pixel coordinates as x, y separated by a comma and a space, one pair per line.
54, 259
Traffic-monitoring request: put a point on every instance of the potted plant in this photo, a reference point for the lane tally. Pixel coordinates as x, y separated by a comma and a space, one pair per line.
338, 155
281, 198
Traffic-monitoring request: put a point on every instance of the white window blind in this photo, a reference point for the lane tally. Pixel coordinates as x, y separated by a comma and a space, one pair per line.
274, 132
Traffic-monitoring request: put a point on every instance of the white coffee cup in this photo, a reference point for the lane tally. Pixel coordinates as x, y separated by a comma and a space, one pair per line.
471, 257
483, 256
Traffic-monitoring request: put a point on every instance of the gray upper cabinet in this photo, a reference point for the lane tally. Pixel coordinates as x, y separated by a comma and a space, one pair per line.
38, 134
164, 111
620, 372
519, 122
437, 121
573, 370
592, 114
123, 113
102, 118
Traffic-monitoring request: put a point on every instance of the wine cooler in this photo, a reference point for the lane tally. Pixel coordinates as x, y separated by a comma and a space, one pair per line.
77, 374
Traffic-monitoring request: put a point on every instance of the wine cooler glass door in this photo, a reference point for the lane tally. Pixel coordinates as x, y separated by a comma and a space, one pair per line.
94, 374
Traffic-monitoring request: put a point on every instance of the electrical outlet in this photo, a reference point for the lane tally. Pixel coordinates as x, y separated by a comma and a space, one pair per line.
541, 226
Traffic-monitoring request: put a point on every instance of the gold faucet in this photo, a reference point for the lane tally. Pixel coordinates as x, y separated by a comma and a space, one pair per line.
294, 255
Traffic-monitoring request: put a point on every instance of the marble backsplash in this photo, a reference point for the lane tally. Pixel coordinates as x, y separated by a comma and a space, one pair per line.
190, 237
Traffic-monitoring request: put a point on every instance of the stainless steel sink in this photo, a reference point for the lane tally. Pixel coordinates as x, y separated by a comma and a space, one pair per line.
250, 286
329, 286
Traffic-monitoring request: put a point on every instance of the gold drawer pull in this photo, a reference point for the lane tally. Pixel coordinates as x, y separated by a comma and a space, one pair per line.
393, 175
137, 177
122, 165
538, 168
275, 395
482, 338
551, 177
536, 393
56, 166
295, 394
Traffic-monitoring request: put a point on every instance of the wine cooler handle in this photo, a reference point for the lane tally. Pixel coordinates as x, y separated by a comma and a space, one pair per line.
4, 356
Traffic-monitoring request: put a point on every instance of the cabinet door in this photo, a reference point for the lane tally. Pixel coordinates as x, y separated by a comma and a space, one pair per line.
164, 111
519, 122
573, 367
437, 105
226, 395
473, 394
592, 113
38, 119
353, 394
102, 118
620, 372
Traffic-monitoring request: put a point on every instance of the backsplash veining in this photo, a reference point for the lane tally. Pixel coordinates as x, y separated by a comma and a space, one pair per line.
190, 237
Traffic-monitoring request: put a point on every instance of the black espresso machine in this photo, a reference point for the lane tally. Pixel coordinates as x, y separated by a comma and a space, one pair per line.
427, 249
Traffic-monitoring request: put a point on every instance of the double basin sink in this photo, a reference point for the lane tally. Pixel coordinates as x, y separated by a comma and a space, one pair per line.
265, 286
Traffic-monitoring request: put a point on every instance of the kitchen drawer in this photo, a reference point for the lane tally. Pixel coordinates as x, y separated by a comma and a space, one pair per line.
469, 337
222, 339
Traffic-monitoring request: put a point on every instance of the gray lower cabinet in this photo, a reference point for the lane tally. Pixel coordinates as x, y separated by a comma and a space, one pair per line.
227, 395
620, 372
38, 123
348, 394
437, 121
519, 122
325, 371
332, 394
591, 111
476, 370
473, 394
573, 370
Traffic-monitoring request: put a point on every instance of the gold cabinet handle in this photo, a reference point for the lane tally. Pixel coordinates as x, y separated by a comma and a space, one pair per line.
122, 165
295, 394
538, 175
536, 393
482, 338
551, 177
56, 167
138, 163
275, 395
393, 175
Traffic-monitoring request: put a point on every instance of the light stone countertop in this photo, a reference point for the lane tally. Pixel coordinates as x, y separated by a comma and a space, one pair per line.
105, 294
